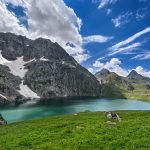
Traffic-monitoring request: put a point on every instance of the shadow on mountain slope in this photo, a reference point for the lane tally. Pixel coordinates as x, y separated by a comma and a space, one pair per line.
112, 91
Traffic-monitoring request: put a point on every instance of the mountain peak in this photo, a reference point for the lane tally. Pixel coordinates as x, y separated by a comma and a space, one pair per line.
40, 69
133, 73
103, 72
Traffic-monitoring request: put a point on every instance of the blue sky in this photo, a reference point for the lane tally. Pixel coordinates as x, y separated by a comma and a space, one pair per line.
112, 34
97, 21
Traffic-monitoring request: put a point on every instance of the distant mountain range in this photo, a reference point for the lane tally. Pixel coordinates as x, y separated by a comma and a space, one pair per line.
134, 86
40, 69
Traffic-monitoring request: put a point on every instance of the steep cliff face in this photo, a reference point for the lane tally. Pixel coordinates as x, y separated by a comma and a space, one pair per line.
40, 69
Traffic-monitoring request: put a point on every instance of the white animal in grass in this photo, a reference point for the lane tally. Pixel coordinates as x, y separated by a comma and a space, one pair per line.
112, 115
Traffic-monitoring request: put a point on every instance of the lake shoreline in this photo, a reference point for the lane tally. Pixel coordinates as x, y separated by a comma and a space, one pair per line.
32, 110
66, 98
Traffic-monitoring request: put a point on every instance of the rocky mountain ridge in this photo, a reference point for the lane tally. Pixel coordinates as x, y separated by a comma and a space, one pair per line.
40, 69
133, 75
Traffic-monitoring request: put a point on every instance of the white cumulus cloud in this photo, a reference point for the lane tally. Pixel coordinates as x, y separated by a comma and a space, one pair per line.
142, 71
53, 19
98, 64
113, 65
91, 70
9, 23
81, 57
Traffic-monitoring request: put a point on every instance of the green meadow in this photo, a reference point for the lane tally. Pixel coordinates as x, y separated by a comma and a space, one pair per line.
88, 130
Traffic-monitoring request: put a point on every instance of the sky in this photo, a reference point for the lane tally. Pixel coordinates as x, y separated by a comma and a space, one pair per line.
111, 34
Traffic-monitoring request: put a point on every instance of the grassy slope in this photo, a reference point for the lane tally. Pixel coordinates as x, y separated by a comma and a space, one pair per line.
116, 87
82, 131
140, 93
119, 91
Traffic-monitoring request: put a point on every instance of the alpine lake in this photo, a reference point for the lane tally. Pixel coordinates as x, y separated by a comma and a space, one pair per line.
53, 107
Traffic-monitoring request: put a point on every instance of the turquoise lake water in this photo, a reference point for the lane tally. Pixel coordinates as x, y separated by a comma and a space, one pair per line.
31, 110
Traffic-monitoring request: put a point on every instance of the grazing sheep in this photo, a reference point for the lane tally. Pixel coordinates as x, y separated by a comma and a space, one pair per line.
112, 115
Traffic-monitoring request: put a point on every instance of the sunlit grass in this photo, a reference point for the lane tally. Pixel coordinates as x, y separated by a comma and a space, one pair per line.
120, 91
79, 131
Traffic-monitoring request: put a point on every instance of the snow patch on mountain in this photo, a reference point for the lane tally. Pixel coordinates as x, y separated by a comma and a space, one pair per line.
3, 96
44, 59
27, 92
17, 68
68, 64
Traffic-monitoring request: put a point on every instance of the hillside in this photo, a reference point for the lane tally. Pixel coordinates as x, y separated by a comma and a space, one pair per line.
40, 69
80, 131
134, 86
